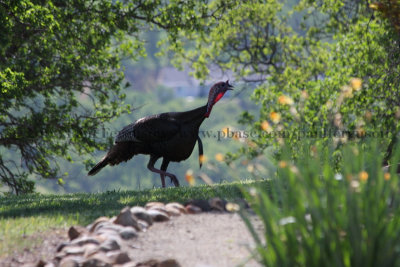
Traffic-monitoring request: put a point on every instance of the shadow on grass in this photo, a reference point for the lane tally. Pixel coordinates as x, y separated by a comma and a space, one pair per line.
87, 207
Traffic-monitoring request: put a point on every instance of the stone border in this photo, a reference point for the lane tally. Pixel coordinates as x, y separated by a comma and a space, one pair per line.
106, 241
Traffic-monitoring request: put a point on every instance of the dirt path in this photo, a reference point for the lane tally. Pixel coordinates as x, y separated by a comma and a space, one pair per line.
201, 240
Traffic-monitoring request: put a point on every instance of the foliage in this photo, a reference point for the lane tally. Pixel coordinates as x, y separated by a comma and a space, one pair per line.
315, 216
61, 78
134, 173
26, 215
321, 68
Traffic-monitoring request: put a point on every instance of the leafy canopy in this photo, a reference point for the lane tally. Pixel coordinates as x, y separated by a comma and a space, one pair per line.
61, 78
319, 68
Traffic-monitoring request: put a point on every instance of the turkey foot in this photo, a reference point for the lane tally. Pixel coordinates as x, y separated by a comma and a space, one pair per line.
162, 172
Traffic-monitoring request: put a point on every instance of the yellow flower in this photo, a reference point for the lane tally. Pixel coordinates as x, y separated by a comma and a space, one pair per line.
363, 176
329, 104
356, 83
250, 168
397, 113
219, 157
313, 150
347, 91
232, 207
374, 6
386, 176
285, 100
368, 115
275, 116
282, 164
361, 132
266, 127
355, 185
190, 177
304, 94
251, 144
202, 158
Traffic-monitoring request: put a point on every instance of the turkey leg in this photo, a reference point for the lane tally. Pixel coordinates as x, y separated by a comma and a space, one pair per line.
164, 166
162, 172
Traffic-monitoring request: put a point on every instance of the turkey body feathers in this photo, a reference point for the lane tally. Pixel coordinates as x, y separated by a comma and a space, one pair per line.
171, 136
150, 129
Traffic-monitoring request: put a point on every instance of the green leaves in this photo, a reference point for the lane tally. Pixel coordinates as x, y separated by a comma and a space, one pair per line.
262, 44
61, 76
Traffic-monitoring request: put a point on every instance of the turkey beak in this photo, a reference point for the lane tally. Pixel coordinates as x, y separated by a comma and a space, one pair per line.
228, 86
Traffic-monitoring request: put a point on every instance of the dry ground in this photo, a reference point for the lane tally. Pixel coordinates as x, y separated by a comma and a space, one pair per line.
201, 240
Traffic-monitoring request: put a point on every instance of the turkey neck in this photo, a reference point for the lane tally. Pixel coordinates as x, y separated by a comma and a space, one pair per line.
194, 116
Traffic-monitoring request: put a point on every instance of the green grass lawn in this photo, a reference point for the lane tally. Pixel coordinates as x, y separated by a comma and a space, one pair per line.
22, 216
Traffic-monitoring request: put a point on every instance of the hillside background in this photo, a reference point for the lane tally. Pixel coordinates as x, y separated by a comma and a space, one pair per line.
155, 87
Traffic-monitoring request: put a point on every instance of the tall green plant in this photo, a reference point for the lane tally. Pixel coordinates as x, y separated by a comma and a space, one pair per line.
315, 215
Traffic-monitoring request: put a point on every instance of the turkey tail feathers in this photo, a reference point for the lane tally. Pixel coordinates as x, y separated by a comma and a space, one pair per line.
201, 156
99, 166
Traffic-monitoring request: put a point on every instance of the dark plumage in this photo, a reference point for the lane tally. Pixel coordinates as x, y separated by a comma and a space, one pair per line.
171, 136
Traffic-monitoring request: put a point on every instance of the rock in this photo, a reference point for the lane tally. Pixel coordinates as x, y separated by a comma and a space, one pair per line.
126, 218
172, 211
61, 246
169, 263
130, 264
242, 203
95, 263
102, 257
69, 262
217, 203
156, 263
73, 250
112, 227
128, 234
108, 233
81, 241
141, 214
143, 224
204, 205
76, 231
50, 264
100, 225
160, 208
41, 263
193, 209
93, 226
158, 216
110, 245
115, 231
59, 256
148, 263
73, 233
176, 205
118, 257
90, 249
150, 205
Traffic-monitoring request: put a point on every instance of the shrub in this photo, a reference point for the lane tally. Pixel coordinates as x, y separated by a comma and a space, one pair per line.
320, 212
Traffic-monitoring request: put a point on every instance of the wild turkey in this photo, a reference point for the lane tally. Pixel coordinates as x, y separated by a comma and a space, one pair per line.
171, 136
